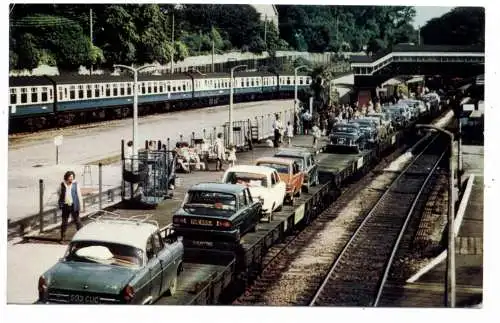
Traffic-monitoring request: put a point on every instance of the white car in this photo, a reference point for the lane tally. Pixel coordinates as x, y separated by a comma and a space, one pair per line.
263, 182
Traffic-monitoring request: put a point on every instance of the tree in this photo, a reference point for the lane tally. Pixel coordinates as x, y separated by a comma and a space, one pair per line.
460, 26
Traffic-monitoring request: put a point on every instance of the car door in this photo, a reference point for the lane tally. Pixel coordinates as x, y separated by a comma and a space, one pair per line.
154, 267
238, 217
254, 208
165, 257
245, 214
278, 188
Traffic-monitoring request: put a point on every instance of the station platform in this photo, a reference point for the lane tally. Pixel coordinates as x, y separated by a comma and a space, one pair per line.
428, 290
33, 157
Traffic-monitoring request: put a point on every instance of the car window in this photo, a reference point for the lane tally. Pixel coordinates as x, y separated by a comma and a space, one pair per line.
273, 179
150, 250
243, 198
247, 179
157, 242
105, 253
280, 168
210, 200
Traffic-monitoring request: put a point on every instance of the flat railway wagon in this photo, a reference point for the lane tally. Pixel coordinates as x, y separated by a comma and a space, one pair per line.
214, 273
40, 102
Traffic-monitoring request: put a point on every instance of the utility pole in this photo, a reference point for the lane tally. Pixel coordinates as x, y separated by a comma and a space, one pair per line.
265, 31
213, 53
173, 46
91, 40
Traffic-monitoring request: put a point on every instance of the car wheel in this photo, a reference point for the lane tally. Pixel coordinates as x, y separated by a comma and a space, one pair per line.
173, 287
305, 188
253, 228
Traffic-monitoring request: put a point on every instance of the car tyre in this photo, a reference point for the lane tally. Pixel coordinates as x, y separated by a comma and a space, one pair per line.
305, 188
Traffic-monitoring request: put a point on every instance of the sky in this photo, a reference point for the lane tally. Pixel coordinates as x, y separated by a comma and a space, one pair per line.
425, 14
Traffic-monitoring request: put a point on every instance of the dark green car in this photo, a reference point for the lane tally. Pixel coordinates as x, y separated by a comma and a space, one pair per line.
217, 212
114, 262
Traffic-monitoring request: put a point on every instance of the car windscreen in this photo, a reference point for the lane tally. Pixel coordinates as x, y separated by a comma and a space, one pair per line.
247, 179
224, 202
280, 168
105, 253
345, 129
298, 160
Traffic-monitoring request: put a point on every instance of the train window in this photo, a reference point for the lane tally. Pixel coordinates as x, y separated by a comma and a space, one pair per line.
247, 82
60, 93
122, 89
162, 86
89, 91
44, 94
253, 82
288, 80
149, 87
184, 87
34, 95
242, 83
13, 96
143, 88
80, 91
97, 92
168, 88
115, 89
108, 90
308, 80
129, 88
51, 94
155, 87
72, 92
24, 95
226, 84
301, 81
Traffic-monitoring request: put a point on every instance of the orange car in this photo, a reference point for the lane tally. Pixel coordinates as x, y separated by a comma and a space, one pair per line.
289, 173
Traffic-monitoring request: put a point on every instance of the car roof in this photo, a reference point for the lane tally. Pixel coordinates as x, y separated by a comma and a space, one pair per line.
276, 160
251, 169
129, 233
292, 152
217, 187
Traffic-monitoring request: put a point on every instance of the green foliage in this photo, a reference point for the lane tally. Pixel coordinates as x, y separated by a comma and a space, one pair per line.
460, 26
335, 28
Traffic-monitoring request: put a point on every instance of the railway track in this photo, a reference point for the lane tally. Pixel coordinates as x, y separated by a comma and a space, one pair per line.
358, 275
297, 267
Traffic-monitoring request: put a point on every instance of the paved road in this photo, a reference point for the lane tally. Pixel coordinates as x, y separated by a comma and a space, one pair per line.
31, 159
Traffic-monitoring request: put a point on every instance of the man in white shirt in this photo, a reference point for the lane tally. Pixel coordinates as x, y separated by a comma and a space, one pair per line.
278, 129
220, 152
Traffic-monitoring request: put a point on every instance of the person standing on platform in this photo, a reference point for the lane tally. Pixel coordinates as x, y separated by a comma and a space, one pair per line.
278, 128
316, 132
70, 201
289, 134
220, 152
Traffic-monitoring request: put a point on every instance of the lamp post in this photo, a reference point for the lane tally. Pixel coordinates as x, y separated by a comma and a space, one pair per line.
296, 87
135, 126
231, 102
450, 270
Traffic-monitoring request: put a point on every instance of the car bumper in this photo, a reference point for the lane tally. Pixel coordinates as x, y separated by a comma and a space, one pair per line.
207, 234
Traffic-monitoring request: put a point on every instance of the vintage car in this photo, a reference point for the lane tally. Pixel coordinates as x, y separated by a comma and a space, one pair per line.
368, 128
307, 164
217, 212
264, 184
399, 114
115, 261
289, 172
385, 120
346, 136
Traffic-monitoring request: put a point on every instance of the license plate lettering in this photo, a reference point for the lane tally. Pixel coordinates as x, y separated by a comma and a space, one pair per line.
201, 222
80, 299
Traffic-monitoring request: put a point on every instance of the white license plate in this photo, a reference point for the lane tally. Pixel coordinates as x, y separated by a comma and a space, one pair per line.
80, 299
201, 222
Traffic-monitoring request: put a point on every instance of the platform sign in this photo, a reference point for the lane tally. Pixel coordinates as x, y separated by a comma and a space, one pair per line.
58, 140
360, 162
299, 213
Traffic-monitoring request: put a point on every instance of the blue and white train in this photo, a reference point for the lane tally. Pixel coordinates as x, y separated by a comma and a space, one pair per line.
53, 101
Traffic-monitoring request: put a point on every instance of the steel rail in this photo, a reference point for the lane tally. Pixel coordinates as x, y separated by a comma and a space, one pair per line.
373, 210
